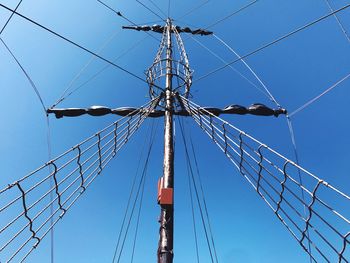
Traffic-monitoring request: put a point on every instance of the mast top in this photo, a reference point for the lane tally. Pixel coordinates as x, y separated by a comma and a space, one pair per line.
180, 66
160, 29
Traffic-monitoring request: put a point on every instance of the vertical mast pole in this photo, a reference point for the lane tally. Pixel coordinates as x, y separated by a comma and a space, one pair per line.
166, 220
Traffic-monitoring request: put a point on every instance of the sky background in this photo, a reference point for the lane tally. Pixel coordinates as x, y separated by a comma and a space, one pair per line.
295, 70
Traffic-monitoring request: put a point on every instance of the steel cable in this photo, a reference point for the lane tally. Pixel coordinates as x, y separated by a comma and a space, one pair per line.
319, 96
206, 231
281, 188
72, 42
277, 40
85, 171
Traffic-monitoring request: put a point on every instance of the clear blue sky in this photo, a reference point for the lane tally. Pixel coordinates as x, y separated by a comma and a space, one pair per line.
295, 70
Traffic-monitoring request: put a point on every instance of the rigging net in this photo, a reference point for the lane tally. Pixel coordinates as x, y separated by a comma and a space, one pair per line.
326, 225
72, 172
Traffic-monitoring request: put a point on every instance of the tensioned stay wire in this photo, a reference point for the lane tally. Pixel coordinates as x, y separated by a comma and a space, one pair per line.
156, 6
319, 96
153, 135
85, 66
100, 71
125, 18
231, 67
194, 9
271, 97
10, 17
212, 253
250, 69
144, 174
232, 14
129, 199
341, 26
73, 43
48, 133
202, 191
149, 9
277, 40
192, 212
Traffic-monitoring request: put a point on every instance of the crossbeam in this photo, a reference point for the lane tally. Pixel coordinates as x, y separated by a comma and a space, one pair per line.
254, 109
160, 29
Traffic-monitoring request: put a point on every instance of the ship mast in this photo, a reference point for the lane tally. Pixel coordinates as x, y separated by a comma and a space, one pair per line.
166, 66
166, 220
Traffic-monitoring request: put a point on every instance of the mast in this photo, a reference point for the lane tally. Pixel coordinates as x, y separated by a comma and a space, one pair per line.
166, 220
165, 66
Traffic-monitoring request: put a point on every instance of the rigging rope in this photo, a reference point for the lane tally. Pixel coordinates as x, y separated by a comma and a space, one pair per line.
203, 196
73, 172
48, 135
125, 18
72, 42
319, 96
192, 212
152, 139
233, 13
273, 177
149, 9
26, 74
98, 72
250, 69
206, 231
289, 121
274, 41
156, 6
231, 67
10, 17
194, 9
338, 21
139, 189
81, 71
129, 201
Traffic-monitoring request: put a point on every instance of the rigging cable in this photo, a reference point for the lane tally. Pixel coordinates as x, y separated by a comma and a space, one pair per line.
138, 219
192, 210
26, 74
8, 20
141, 199
197, 196
125, 18
250, 69
203, 196
81, 71
319, 96
232, 14
73, 43
149, 9
338, 21
48, 136
289, 122
231, 67
228, 16
277, 40
156, 6
143, 177
194, 9
99, 72
129, 198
